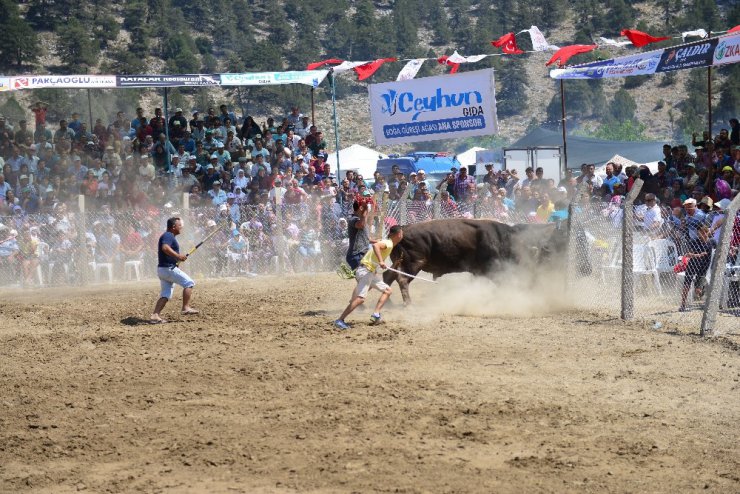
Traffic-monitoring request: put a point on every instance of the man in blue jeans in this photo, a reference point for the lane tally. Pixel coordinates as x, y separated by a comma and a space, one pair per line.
168, 253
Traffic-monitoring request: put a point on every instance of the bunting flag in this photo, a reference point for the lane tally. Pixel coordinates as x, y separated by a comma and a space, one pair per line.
539, 43
445, 60
639, 39
410, 70
507, 43
316, 65
457, 58
611, 42
347, 66
565, 53
368, 69
734, 29
700, 33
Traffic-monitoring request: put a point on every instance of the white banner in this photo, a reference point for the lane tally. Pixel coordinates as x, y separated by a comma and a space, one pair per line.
639, 64
309, 77
728, 50
4, 84
433, 108
63, 81
410, 70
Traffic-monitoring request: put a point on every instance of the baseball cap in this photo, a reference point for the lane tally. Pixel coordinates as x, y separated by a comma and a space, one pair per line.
691, 165
220, 145
421, 171
22, 177
690, 200
218, 182
728, 169
178, 109
707, 201
176, 122
562, 189
230, 195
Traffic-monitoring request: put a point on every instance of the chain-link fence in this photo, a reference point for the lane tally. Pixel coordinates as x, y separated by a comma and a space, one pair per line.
83, 247
672, 256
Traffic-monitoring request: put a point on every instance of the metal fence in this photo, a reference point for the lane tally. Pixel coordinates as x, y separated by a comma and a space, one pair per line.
657, 288
80, 247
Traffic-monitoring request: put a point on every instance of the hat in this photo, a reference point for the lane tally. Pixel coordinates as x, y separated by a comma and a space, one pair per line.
175, 156
223, 207
366, 193
218, 182
728, 169
209, 167
230, 195
421, 171
178, 110
109, 148
707, 201
562, 189
220, 145
90, 143
691, 165
210, 223
193, 158
489, 165
76, 158
22, 177
258, 136
176, 122
299, 157
690, 200
278, 181
17, 208
722, 205
412, 173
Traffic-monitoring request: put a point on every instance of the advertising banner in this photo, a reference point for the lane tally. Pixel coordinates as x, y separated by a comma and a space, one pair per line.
179, 80
432, 108
63, 81
687, 56
309, 77
4, 84
728, 50
640, 64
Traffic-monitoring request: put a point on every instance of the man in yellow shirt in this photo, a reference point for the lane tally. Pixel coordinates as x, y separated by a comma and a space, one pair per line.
368, 277
545, 209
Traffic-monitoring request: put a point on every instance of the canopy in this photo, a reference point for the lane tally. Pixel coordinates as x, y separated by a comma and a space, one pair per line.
468, 157
601, 170
359, 158
594, 151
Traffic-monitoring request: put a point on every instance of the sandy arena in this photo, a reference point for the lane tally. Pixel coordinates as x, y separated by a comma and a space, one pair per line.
469, 391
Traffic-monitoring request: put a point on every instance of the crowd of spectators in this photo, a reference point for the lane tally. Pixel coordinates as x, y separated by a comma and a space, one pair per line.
143, 167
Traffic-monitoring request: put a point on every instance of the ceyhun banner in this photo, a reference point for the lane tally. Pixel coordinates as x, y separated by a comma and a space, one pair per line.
432, 108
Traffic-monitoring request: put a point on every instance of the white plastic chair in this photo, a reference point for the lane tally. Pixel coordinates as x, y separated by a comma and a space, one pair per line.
730, 274
132, 269
98, 267
644, 263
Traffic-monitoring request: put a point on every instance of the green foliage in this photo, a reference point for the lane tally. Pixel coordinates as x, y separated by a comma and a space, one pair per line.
694, 109
635, 81
18, 42
436, 19
126, 62
627, 130
512, 99
76, 48
583, 99
622, 107
203, 45
728, 105
405, 26
12, 109
703, 13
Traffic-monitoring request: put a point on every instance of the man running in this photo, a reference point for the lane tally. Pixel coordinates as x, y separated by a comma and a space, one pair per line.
168, 253
368, 277
359, 242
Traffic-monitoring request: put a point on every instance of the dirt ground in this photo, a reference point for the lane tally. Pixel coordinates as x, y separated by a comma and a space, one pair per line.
260, 394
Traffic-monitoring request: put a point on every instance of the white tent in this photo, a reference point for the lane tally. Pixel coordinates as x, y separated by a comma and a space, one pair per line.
468, 157
601, 170
356, 157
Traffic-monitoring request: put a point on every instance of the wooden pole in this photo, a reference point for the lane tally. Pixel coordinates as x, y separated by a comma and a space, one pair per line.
313, 106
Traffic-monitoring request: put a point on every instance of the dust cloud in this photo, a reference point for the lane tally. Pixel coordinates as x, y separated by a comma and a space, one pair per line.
513, 293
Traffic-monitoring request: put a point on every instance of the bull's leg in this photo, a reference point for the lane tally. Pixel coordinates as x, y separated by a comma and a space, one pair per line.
403, 282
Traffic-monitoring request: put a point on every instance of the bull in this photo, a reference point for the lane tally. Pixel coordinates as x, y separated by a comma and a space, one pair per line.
480, 247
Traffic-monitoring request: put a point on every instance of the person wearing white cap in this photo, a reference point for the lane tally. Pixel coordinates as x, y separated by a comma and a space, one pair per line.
222, 154
241, 180
217, 195
719, 219
692, 219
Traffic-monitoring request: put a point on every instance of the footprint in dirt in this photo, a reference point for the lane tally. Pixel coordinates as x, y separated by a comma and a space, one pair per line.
135, 321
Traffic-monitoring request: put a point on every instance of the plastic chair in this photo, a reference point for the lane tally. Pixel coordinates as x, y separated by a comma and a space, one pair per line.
100, 266
731, 274
644, 263
132, 269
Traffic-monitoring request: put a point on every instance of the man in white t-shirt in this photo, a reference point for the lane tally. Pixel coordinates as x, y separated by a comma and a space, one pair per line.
652, 219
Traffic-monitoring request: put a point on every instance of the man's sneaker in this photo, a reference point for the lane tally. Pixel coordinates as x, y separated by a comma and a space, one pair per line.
375, 318
341, 324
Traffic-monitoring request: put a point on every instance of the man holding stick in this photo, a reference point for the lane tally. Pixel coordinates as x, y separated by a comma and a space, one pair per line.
368, 277
168, 253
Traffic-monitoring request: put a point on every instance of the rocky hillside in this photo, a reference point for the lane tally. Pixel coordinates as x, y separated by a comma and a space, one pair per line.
188, 36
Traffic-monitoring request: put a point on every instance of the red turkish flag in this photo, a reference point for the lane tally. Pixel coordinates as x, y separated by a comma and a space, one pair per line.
443, 61
507, 43
564, 54
365, 71
331, 61
638, 38
734, 29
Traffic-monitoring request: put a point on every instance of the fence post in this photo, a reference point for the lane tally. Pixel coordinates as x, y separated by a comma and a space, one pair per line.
403, 210
82, 258
628, 227
709, 318
383, 205
280, 247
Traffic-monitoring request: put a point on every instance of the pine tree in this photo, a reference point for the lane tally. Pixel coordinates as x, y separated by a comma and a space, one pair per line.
622, 107
729, 100
405, 25
76, 49
18, 42
436, 19
513, 95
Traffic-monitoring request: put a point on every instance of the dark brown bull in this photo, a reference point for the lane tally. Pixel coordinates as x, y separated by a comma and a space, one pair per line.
480, 247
